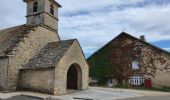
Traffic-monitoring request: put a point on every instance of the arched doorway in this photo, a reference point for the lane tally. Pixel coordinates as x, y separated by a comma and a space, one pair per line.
74, 77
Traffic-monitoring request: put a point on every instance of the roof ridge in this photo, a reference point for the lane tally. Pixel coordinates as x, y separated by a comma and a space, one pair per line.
146, 42
125, 33
68, 40
12, 27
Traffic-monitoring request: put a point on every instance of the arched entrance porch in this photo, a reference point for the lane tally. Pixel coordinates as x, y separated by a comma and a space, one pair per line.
74, 77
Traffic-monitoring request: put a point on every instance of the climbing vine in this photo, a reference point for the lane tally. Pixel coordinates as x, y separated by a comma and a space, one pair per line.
125, 51
115, 60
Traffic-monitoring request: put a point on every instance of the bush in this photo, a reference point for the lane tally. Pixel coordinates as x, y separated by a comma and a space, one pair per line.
121, 86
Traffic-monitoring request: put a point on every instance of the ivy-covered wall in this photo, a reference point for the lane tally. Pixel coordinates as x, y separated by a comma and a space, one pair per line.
99, 65
115, 60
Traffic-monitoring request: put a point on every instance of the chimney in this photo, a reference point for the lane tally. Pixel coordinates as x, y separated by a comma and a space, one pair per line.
142, 37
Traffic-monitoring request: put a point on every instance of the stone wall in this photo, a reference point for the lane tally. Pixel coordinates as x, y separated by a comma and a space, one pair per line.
49, 19
156, 69
38, 18
122, 51
159, 73
43, 15
73, 56
162, 78
3, 72
47, 6
41, 4
41, 80
28, 48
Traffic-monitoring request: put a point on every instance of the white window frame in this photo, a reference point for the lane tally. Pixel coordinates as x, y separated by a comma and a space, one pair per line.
136, 80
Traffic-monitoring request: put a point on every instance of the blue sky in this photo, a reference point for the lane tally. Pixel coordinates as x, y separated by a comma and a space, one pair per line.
95, 22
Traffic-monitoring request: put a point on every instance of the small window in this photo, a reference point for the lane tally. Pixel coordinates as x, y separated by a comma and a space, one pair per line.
135, 64
52, 9
35, 7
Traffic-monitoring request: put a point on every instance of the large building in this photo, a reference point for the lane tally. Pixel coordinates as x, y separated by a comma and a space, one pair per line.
130, 60
33, 58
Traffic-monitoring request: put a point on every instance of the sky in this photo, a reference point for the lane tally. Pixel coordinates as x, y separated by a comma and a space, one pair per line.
95, 22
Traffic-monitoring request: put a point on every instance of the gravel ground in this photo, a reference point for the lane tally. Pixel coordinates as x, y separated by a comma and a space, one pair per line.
94, 93
150, 98
24, 98
98, 94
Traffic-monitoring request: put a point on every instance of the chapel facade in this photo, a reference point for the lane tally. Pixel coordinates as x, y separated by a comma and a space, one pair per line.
33, 58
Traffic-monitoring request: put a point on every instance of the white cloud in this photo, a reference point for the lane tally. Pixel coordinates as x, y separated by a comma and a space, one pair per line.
78, 5
96, 22
12, 13
168, 49
97, 27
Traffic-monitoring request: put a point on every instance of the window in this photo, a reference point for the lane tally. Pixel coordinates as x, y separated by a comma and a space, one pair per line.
35, 7
52, 9
135, 64
136, 80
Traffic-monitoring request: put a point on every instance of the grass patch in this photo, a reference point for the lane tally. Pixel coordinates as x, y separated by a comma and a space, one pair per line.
121, 86
164, 89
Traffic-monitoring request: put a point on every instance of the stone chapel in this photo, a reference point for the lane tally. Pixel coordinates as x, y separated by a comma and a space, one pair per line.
33, 58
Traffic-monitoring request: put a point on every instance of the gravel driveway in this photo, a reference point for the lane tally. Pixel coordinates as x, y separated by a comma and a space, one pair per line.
150, 98
98, 94
93, 93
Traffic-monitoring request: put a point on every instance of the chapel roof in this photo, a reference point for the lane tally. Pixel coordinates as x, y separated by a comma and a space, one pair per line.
50, 55
9, 38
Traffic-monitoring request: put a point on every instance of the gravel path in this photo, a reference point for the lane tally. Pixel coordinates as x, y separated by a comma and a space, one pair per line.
150, 98
93, 93
98, 94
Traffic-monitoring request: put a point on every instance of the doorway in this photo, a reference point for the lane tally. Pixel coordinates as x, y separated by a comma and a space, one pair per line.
74, 77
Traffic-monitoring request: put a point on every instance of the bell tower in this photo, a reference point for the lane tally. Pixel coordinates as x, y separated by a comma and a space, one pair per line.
42, 12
